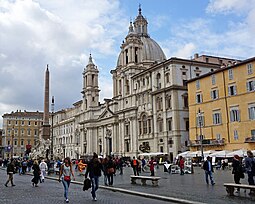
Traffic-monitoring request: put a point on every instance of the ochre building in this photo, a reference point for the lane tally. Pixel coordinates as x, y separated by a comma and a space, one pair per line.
222, 108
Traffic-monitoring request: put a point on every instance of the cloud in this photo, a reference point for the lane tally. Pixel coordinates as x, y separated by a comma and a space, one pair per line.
199, 35
37, 32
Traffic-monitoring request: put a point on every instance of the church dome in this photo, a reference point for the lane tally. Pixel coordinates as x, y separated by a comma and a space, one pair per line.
149, 50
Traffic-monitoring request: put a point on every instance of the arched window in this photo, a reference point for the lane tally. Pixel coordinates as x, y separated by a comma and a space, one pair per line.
167, 77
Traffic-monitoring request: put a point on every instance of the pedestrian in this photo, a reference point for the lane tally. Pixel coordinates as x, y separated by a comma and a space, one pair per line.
110, 170
143, 164
134, 165
36, 173
94, 169
43, 168
120, 164
24, 166
66, 171
250, 168
207, 166
181, 165
10, 172
104, 165
152, 164
237, 171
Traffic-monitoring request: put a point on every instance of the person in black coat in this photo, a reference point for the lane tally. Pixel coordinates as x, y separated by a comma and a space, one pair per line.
110, 170
10, 172
36, 173
94, 169
207, 166
237, 170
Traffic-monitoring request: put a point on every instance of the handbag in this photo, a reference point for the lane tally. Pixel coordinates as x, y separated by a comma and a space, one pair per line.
67, 178
86, 184
110, 171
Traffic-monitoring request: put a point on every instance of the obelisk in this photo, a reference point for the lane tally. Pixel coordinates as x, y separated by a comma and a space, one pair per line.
46, 114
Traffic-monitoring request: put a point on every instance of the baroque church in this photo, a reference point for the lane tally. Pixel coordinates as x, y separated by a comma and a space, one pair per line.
149, 108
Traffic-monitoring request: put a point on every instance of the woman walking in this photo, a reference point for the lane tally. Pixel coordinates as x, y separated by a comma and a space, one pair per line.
66, 171
36, 173
110, 170
10, 172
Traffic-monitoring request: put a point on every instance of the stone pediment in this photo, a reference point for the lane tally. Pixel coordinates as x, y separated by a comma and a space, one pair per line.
107, 113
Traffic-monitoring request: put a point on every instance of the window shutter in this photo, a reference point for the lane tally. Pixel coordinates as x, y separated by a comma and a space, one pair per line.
231, 116
229, 92
201, 98
214, 119
234, 90
247, 86
238, 115
217, 93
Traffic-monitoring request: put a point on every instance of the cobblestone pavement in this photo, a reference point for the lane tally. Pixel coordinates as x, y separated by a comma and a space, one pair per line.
190, 186
51, 192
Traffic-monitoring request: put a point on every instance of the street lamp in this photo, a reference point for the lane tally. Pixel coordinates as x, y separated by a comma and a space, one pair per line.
200, 121
52, 114
12, 142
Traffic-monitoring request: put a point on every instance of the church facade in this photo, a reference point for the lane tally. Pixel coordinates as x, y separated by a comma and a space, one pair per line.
149, 108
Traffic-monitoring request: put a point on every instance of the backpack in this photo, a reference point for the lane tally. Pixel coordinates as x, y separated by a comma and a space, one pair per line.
134, 162
86, 184
253, 167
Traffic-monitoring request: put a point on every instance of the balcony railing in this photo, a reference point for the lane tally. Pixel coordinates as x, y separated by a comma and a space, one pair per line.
207, 142
250, 139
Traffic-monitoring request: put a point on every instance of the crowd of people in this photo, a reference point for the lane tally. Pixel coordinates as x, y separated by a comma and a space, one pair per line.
109, 166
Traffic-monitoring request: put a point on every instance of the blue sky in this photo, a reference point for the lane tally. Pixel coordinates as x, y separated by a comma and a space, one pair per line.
63, 33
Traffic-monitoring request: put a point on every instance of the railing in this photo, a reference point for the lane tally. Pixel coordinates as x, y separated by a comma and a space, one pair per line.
207, 142
250, 139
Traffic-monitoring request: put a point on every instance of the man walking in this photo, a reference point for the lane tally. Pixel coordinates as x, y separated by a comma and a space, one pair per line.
10, 172
134, 164
250, 168
43, 168
208, 170
94, 170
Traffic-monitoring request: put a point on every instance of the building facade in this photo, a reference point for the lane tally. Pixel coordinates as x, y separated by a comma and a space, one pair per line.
20, 132
149, 108
222, 108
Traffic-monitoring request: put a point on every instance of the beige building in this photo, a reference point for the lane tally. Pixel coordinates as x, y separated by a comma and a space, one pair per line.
20, 131
149, 108
222, 108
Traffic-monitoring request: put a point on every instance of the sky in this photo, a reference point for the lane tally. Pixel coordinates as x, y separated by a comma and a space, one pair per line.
34, 33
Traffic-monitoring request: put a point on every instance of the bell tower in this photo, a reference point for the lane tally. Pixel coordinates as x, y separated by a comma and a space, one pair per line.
90, 85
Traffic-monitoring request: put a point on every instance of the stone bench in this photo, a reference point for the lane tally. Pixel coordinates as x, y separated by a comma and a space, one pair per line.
144, 179
230, 187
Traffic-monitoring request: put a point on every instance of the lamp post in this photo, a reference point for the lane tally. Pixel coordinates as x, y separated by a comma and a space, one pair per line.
52, 115
200, 120
12, 142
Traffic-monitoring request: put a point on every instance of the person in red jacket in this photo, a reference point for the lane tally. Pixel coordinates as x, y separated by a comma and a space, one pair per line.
181, 165
152, 163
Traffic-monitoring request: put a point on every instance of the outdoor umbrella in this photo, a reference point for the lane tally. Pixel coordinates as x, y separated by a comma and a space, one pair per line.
221, 154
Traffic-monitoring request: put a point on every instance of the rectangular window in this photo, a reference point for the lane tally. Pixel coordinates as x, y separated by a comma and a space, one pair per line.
250, 85
197, 84
200, 120
234, 115
199, 98
29, 123
249, 69
185, 101
28, 132
35, 132
230, 74
213, 79
232, 90
187, 125
214, 94
216, 118
22, 142
252, 133
251, 111
235, 135
160, 123
170, 125
218, 137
